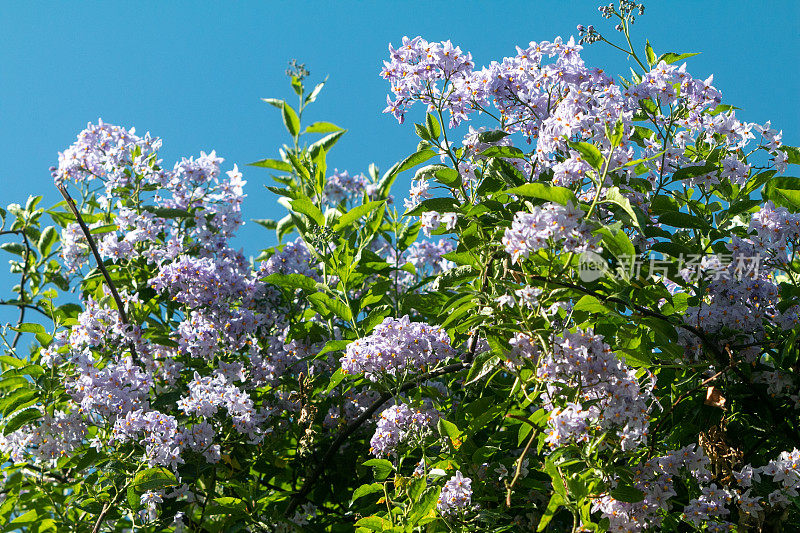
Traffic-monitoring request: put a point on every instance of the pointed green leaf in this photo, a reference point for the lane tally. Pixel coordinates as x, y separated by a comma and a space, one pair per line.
357, 212
275, 164
322, 127
306, 206
325, 144
290, 120
560, 195
590, 154
433, 126
381, 468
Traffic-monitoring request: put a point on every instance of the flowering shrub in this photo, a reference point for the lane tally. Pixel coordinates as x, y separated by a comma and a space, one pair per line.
594, 332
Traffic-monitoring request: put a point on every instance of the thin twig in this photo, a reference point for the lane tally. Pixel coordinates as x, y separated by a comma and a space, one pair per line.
87, 233
519, 469
22, 281
27, 306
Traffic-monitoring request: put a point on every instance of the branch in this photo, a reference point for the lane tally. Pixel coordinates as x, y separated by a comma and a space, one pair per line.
22, 281
384, 397
510, 490
87, 233
27, 306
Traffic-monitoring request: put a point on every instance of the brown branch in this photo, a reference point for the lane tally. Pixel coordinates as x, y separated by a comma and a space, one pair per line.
88, 234
337, 443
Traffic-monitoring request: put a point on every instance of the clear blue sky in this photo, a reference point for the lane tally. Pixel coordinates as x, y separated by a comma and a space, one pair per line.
193, 73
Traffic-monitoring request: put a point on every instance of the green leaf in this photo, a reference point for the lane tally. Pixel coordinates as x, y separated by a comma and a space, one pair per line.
590, 304
312, 96
792, 153
670, 57
503, 151
381, 468
555, 503
784, 191
448, 176
275, 164
323, 302
22, 418
422, 132
448, 429
13, 248
627, 494
17, 400
274, 102
424, 506
326, 143
267, 223
292, 281
27, 518
13, 361
357, 212
154, 479
619, 132
322, 127
333, 346
433, 126
290, 120
491, 136
306, 206
440, 205
693, 171
47, 239
614, 196
374, 523
414, 159
368, 488
106, 228
682, 220
336, 378
30, 328
560, 195
166, 212
483, 364
637, 359
651, 56
590, 154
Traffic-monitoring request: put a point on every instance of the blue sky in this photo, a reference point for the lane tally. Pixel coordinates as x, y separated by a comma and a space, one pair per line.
193, 73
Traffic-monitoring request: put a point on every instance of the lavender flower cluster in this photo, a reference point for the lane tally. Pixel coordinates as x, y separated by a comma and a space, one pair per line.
456, 494
614, 396
400, 423
397, 347
657, 477
547, 225
562, 100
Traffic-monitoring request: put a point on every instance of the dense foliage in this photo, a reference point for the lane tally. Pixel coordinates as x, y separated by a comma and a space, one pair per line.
583, 317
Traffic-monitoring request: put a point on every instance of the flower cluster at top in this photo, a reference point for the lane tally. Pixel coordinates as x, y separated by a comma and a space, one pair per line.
613, 395
551, 98
397, 347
